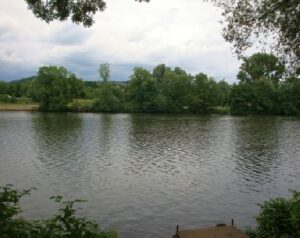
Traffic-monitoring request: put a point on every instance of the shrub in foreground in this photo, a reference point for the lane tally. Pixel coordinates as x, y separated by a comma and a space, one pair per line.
279, 218
64, 224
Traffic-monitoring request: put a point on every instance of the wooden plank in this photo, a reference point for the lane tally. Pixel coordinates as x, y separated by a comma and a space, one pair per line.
212, 232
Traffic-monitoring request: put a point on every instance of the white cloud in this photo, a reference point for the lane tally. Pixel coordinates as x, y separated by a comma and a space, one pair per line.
175, 32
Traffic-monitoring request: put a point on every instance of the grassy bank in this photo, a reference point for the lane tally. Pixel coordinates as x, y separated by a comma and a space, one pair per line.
18, 104
78, 105
221, 110
18, 107
25, 104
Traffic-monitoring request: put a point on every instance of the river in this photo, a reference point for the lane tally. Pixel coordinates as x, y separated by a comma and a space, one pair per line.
143, 174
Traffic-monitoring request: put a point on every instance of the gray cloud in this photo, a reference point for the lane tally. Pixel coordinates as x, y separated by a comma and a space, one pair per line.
69, 35
12, 71
4, 33
175, 32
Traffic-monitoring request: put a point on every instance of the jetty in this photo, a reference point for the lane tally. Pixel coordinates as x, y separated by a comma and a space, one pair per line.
219, 231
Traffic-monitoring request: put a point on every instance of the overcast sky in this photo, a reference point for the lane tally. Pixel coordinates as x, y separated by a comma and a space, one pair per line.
127, 34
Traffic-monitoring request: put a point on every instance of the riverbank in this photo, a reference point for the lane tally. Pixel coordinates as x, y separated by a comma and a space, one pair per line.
80, 105
18, 107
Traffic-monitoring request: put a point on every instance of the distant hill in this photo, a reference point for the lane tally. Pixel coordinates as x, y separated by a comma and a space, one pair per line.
22, 80
88, 83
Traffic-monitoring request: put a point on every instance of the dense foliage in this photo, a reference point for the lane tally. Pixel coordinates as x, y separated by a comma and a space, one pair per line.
108, 99
279, 218
173, 91
80, 11
263, 87
54, 87
261, 65
64, 224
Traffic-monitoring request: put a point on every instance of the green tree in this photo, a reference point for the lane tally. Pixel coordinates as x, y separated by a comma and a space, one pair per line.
3, 87
260, 88
80, 11
289, 97
203, 97
176, 87
20, 88
142, 91
109, 99
247, 20
225, 92
261, 65
159, 71
279, 217
14, 89
55, 87
179, 71
241, 98
91, 89
5, 93
258, 97
104, 72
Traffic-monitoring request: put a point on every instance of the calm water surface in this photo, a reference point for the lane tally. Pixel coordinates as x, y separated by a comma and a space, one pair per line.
143, 174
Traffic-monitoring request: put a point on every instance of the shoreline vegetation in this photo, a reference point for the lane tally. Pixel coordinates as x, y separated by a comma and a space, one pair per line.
264, 87
65, 223
80, 106
14, 107
278, 217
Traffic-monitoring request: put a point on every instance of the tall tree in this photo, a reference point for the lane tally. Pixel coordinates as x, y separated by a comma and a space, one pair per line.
261, 65
55, 87
204, 94
159, 71
176, 87
142, 91
104, 72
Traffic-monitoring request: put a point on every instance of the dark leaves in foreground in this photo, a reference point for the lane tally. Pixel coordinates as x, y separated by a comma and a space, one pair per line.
64, 224
80, 11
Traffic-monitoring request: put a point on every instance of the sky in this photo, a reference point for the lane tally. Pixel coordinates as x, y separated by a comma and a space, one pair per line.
127, 34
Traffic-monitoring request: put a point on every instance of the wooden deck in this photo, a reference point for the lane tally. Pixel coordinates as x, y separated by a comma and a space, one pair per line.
225, 231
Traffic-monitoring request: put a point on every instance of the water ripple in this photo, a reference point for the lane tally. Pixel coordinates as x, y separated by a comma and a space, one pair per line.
143, 174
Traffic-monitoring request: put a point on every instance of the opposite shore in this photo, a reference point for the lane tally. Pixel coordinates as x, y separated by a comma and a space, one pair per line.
83, 105
18, 107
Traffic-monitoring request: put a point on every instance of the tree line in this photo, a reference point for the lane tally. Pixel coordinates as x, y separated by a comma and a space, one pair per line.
263, 87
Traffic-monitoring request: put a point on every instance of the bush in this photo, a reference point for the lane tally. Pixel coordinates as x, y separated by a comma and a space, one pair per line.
251, 233
24, 100
55, 87
109, 99
7, 99
279, 218
80, 105
64, 224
